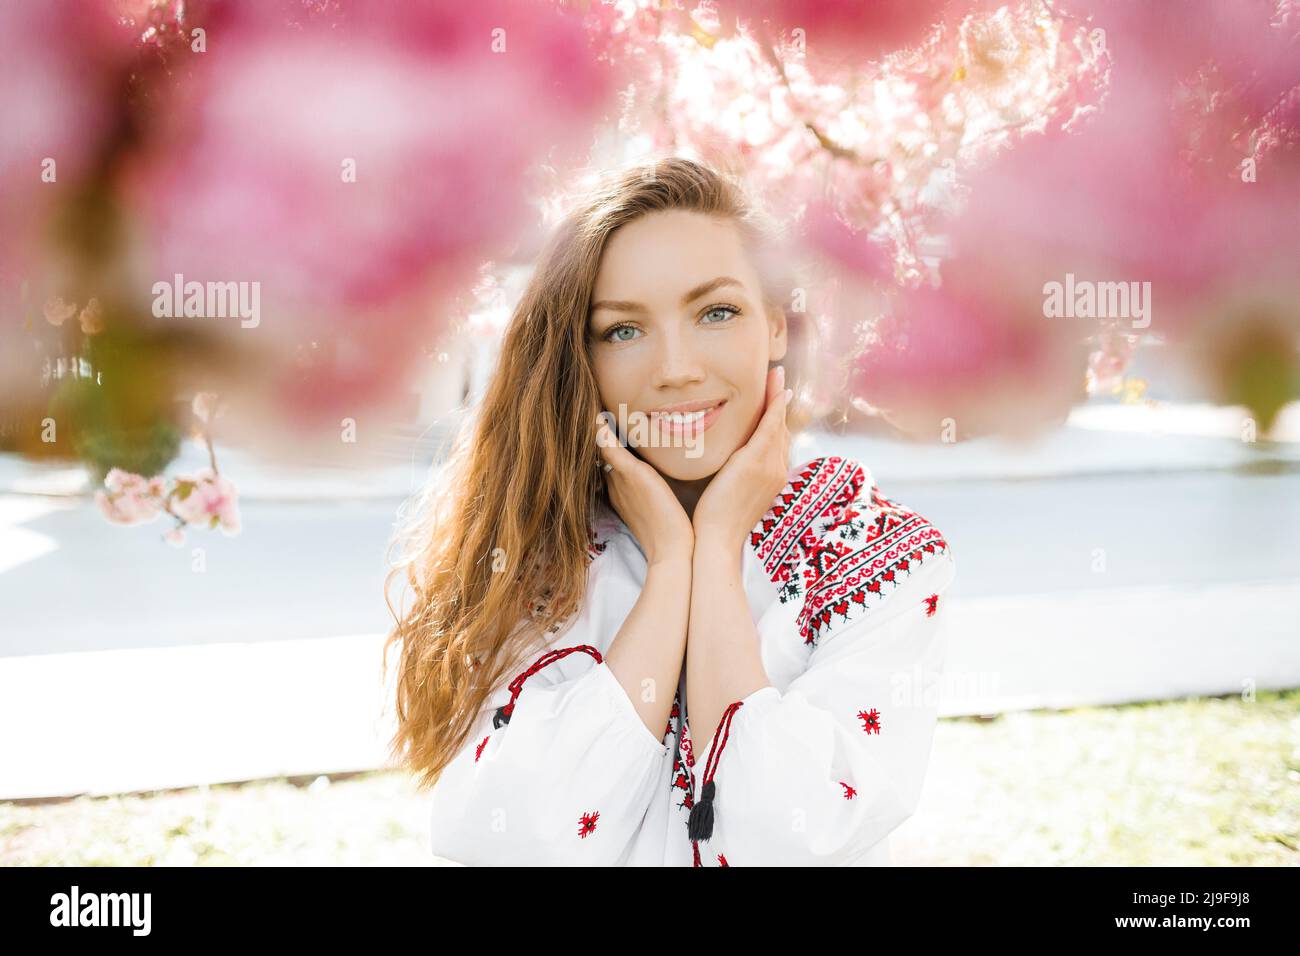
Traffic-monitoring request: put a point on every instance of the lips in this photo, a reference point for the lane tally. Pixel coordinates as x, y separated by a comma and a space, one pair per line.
689, 417
703, 404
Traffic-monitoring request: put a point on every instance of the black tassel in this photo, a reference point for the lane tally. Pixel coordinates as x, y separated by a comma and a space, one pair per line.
699, 825
500, 717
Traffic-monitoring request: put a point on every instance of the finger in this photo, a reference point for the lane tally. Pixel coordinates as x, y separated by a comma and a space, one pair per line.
773, 419
611, 449
771, 392
782, 439
785, 417
775, 382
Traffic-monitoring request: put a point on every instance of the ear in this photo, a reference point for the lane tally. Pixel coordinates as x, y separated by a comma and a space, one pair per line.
778, 339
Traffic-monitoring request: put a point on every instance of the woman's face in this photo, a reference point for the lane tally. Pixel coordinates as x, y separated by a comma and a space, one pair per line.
680, 340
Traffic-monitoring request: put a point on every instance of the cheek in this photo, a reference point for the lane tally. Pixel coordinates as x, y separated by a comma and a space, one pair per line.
746, 370
607, 378
620, 377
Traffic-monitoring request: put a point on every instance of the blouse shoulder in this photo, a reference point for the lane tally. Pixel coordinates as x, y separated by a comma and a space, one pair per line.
835, 543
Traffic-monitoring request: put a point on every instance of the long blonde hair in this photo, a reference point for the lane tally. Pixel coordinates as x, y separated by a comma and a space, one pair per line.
497, 559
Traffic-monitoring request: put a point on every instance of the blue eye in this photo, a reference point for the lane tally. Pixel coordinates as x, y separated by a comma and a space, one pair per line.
727, 310
612, 334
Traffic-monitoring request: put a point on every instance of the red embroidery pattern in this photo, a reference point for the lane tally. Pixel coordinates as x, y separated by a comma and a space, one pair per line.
588, 824
682, 778
675, 713
722, 860
849, 792
682, 782
870, 720
517, 685
478, 751
931, 603
838, 544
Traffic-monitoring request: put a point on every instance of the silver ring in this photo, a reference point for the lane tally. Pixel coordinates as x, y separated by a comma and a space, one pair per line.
608, 467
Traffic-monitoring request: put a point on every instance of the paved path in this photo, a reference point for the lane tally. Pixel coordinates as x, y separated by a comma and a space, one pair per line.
124, 720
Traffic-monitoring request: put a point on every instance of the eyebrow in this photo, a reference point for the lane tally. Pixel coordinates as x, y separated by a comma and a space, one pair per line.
704, 288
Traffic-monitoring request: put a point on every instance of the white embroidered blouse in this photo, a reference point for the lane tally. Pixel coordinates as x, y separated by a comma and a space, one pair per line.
846, 588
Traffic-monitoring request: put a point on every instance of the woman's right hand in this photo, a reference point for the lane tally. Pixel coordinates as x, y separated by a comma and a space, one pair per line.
644, 501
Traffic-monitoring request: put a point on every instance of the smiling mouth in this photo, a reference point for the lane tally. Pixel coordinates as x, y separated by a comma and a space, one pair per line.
694, 420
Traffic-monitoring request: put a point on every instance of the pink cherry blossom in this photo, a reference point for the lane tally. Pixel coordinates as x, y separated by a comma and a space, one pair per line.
207, 500
203, 499
128, 498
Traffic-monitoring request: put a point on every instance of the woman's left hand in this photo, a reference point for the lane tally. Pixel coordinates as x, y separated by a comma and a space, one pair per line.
743, 489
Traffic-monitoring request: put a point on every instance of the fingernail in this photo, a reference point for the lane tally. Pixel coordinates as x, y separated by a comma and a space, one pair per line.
789, 394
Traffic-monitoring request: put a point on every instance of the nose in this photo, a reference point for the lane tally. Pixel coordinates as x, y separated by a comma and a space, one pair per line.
677, 362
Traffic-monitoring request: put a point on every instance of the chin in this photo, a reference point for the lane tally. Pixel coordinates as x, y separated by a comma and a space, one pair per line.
675, 463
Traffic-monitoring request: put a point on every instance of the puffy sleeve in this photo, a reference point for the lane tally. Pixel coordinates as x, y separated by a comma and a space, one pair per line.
560, 770
820, 773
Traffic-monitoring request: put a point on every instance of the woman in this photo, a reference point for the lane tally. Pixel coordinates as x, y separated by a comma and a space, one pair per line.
577, 598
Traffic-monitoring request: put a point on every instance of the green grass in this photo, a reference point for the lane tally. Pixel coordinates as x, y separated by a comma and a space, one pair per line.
1212, 781
362, 819
1199, 782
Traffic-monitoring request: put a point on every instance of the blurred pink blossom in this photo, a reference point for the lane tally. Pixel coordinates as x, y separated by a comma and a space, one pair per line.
966, 356
60, 58
92, 318
1129, 195
1151, 188
57, 311
852, 29
826, 234
359, 164
1249, 42
207, 406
